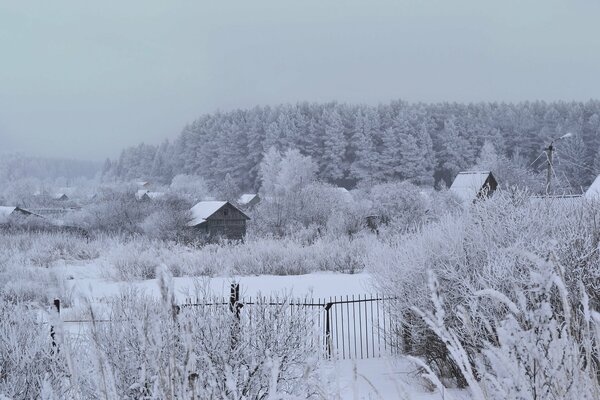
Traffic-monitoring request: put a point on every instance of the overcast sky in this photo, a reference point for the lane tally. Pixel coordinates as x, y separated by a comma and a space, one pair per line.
83, 79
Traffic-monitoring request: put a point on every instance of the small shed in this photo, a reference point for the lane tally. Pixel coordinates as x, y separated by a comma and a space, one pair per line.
218, 219
470, 186
248, 200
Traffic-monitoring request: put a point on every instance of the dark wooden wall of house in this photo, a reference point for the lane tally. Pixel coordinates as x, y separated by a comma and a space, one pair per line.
228, 222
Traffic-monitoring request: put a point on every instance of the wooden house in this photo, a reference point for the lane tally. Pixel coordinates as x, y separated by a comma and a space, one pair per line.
561, 200
470, 186
215, 219
11, 214
248, 200
593, 192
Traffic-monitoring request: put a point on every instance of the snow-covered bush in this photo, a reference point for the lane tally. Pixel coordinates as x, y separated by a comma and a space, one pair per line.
29, 363
484, 248
203, 351
543, 347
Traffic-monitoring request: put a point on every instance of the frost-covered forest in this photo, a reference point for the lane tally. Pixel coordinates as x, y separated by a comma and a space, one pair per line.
420, 143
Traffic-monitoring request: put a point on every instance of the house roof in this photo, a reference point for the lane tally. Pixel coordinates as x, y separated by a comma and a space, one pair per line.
204, 209
593, 192
468, 184
6, 211
562, 200
246, 198
152, 195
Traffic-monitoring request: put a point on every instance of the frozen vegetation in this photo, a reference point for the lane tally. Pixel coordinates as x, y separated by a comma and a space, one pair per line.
492, 299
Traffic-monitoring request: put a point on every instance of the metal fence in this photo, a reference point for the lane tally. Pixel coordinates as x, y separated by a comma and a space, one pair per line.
348, 327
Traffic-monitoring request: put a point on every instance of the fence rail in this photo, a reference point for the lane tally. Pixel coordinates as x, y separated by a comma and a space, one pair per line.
349, 327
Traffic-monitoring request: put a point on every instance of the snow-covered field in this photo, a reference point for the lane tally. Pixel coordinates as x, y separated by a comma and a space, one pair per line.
90, 281
373, 378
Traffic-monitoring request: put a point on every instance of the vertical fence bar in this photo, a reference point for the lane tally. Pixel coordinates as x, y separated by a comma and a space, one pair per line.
360, 328
378, 329
354, 324
372, 330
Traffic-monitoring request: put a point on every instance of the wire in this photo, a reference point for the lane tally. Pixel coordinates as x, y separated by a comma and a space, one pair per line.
577, 165
538, 157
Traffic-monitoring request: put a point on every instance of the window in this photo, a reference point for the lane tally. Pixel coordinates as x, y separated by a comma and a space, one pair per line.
225, 212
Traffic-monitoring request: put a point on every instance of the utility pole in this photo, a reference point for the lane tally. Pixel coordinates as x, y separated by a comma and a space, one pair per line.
549, 151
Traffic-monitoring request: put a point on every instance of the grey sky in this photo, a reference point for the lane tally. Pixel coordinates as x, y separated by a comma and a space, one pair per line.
83, 79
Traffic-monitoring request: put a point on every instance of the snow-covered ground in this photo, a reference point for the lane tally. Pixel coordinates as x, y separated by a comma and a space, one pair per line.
89, 281
374, 378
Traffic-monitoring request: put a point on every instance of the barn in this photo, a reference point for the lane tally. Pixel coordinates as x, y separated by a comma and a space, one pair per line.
470, 186
215, 219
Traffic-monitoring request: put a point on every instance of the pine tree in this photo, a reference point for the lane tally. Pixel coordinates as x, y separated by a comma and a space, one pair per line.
364, 165
332, 167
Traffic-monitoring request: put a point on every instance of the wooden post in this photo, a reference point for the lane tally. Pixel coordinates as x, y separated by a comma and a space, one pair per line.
56, 305
234, 307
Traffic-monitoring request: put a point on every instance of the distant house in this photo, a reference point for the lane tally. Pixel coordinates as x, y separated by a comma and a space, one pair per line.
61, 196
9, 214
248, 200
343, 194
143, 184
593, 192
218, 219
563, 200
65, 193
146, 195
470, 186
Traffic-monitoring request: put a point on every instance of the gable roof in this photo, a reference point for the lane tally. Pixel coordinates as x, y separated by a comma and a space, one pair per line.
562, 200
6, 211
593, 192
468, 184
204, 209
247, 198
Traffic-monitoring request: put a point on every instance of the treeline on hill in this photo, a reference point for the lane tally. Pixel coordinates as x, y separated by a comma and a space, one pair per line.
422, 143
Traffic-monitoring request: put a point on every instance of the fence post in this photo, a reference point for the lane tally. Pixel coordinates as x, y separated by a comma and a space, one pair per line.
234, 307
328, 329
56, 304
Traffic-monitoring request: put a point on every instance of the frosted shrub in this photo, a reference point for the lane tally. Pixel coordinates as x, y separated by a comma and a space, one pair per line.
202, 352
542, 348
486, 247
27, 358
135, 259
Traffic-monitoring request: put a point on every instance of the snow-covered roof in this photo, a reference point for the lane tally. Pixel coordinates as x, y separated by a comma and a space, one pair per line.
344, 194
562, 200
6, 211
593, 191
151, 195
204, 209
69, 191
468, 184
140, 193
246, 198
